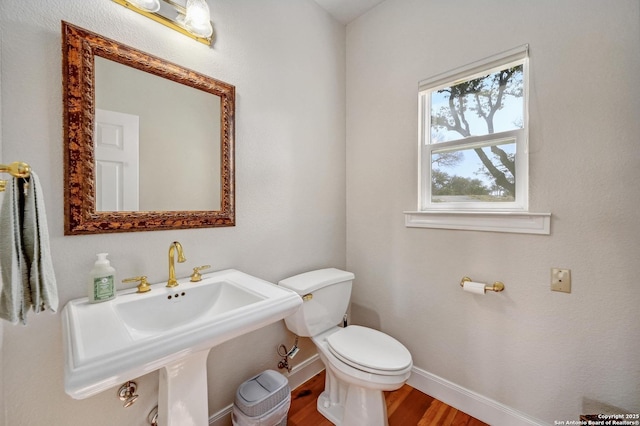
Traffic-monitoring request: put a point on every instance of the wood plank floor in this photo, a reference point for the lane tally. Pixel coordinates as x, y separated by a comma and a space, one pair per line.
406, 407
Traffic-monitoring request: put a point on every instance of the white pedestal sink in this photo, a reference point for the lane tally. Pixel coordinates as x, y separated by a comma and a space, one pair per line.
171, 329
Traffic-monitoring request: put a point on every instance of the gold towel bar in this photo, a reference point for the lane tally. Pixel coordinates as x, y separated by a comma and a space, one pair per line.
496, 286
16, 169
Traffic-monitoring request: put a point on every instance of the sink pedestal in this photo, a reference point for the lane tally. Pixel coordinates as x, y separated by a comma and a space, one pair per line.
182, 393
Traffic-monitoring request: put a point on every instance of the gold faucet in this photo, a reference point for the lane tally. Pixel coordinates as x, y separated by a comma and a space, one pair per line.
172, 269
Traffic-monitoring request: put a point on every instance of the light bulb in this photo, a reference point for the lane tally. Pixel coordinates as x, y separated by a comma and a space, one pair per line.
197, 19
146, 5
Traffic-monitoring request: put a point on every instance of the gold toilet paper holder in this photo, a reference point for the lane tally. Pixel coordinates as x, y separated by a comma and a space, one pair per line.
496, 286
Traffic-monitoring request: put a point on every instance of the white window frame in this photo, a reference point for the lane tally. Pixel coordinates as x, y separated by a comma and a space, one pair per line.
490, 216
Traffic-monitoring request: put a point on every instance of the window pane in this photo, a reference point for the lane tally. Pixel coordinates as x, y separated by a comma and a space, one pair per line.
489, 104
474, 174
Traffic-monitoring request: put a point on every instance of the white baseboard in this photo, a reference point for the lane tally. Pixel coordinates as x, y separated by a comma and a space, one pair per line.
305, 371
474, 404
222, 417
299, 374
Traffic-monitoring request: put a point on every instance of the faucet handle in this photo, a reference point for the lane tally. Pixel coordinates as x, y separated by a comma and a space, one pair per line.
196, 276
143, 287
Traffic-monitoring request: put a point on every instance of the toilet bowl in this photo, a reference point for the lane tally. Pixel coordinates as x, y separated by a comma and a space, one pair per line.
355, 382
361, 363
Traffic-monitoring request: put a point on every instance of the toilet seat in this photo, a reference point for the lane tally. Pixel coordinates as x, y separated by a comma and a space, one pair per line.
369, 350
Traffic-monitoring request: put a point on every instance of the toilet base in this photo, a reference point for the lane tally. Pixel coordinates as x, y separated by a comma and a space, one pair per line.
333, 412
346, 404
358, 413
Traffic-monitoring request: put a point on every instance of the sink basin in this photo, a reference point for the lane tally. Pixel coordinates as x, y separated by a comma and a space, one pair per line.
154, 312
111, 342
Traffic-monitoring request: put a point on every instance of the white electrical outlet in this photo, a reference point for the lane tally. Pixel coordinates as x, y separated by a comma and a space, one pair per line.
561, 280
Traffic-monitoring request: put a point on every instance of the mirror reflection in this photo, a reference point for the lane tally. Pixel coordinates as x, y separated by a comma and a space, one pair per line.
157, 142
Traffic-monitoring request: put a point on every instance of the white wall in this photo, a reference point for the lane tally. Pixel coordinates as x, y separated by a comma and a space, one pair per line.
550, 355
286, 59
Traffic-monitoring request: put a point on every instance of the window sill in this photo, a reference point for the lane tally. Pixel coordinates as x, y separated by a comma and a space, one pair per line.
511, 222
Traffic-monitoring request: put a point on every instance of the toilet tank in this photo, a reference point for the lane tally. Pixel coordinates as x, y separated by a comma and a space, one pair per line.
325, 294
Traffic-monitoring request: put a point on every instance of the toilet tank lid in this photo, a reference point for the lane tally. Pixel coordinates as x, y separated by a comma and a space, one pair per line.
311, 281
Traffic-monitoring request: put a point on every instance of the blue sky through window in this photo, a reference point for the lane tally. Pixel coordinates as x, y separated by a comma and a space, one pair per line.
509, 117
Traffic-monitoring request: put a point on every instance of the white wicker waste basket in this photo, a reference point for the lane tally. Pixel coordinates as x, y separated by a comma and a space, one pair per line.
263, 400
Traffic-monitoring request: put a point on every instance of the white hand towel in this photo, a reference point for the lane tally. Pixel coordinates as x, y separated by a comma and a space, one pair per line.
13, 303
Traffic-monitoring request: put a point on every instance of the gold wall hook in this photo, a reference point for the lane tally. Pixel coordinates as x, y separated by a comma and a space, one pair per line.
16, 169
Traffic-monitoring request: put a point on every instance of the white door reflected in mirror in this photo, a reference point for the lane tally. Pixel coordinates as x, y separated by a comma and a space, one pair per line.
117, 161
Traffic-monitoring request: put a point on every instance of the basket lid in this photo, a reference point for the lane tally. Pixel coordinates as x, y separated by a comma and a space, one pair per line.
261, 387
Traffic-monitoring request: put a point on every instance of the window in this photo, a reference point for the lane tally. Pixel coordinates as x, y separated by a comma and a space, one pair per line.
473, 137
473, 127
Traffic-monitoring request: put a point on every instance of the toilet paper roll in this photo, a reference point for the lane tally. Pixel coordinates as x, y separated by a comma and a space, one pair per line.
473, 287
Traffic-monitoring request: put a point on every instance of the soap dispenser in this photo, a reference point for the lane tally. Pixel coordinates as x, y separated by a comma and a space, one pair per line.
102, 280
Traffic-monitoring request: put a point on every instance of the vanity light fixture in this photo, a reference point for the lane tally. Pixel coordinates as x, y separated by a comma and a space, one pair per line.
146, 5
197, 18
189, 17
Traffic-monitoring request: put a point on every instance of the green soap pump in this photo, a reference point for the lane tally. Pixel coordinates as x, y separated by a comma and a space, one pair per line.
102, 280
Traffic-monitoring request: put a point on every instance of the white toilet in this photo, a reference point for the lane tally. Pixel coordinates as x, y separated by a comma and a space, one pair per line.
360, 362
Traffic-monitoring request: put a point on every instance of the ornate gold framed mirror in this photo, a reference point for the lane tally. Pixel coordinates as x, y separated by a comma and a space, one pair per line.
178, 126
